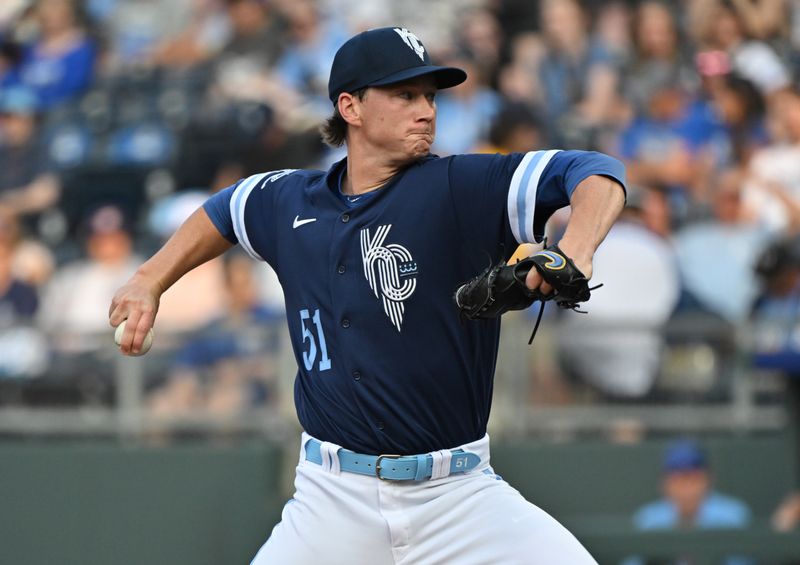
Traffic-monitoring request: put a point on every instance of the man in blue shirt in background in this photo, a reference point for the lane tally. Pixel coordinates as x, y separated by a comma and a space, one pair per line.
689, 500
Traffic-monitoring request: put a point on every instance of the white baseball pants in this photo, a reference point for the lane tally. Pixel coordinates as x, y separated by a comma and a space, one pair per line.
474, 518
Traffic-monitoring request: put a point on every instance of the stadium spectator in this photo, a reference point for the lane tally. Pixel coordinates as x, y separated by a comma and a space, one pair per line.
27, 183
247, 72
773, 186
257, 41
518, 81
18, 300
59, 64
658, 149
23, 350
136, 29
254, 120
775, 343
689, 500
10, 54
655, 213
31, 262
741, 109
761, 19
480, 37
73, 305
577, 75
724, 26
309, 52
719, 252
776, 311
658, 57
204, 34
517, 16
230, 364
465, 112
613, 29
515, 128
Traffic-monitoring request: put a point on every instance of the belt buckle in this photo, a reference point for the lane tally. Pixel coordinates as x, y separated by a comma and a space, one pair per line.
378, 465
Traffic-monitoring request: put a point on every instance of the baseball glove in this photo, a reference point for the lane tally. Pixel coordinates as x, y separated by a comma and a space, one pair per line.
502, 287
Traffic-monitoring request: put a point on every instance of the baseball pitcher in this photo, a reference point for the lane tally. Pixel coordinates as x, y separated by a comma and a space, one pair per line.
393, 317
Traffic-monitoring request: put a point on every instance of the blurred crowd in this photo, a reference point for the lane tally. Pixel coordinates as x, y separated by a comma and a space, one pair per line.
119, 117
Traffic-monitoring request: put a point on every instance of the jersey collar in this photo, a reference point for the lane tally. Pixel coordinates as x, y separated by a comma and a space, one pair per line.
329, 187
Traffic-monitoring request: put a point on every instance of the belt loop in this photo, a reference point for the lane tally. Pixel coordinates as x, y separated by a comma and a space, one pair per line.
422, 467
303, 443
330, 457
441, 464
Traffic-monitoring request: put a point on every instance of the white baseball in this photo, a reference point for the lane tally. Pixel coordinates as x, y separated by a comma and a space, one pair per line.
146, 344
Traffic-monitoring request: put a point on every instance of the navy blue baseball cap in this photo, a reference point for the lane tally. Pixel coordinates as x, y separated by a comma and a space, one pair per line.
384, 56
684, 455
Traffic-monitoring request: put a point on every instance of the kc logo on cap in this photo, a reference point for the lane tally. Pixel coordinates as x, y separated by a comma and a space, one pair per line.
412, 41
377, 58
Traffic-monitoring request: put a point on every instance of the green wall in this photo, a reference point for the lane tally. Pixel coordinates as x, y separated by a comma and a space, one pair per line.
101, 503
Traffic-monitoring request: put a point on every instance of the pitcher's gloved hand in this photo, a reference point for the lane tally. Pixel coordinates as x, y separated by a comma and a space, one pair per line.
502, 287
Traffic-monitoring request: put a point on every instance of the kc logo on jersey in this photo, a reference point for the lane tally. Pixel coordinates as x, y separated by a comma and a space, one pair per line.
390, 271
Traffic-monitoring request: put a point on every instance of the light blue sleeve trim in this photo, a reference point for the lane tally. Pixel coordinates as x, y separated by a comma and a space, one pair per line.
522, 193
238, 203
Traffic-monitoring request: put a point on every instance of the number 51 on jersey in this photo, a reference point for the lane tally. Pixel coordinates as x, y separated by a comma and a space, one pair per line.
311, 355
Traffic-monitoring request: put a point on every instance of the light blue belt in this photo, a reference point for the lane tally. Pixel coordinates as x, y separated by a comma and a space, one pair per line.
393, 467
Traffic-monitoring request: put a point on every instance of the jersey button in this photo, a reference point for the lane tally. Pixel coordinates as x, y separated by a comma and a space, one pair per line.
345, 218
341, 269
345, 323
381, 425
357, 375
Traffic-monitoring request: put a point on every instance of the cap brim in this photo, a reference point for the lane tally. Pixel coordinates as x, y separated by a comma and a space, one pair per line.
446, 77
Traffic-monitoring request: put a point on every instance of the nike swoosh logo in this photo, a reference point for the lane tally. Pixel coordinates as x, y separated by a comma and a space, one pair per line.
298, 222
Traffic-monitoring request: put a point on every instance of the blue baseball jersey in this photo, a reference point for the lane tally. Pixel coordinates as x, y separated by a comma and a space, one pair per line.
385, 364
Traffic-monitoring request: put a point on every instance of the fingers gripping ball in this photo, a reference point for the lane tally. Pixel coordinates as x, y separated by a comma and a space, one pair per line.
146, 344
